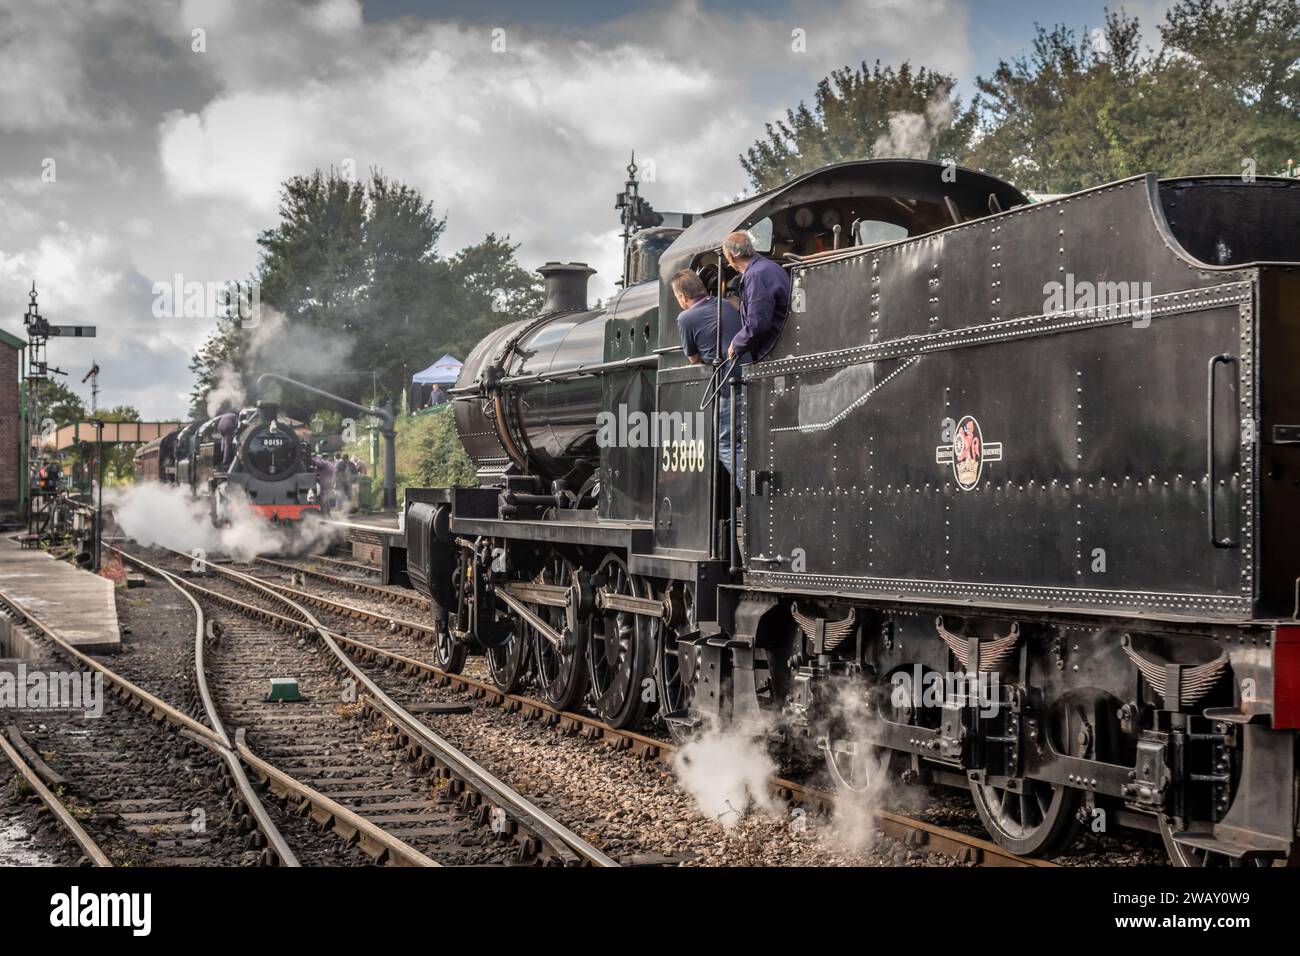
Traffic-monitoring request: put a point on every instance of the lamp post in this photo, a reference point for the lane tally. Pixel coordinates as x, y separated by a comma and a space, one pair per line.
99, 506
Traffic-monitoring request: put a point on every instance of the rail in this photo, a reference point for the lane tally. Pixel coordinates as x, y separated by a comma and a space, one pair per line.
563, 844
909, 831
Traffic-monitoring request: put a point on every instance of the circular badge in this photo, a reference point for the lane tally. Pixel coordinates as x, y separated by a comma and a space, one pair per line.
967, 453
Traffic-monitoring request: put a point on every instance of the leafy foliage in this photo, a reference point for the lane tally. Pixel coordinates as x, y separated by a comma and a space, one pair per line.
358, 265
438, 458
862, 114
1076, 111
428, 455
53, 400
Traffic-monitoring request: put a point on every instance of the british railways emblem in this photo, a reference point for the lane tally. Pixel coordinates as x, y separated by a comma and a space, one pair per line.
967, 453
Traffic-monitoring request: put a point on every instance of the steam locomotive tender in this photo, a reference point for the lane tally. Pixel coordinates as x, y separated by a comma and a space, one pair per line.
1051, 450
270, 472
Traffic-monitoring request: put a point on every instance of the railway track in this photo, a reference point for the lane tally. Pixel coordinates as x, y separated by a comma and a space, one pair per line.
344, 564
377, 638
383, 592
503, 815
120, 796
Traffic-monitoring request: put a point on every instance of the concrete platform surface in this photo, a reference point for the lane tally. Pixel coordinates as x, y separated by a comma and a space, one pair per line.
77, 605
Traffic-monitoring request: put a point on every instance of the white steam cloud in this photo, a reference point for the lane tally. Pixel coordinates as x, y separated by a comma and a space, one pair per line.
227, 391
728, 774
155, 515
911, 135
858, 804
276, 344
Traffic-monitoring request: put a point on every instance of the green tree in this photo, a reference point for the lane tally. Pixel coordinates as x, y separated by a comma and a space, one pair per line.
1077, 110
865, 113
490, 289
384, 285
1244, 58
119, 460
1249, 47
1061, 118
313, 265
440, 461
1223, 88
221, 354
53, 400
359, 264
405, 300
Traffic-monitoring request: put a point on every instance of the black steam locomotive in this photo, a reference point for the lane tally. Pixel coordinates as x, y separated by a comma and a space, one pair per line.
268, 470
1019, 485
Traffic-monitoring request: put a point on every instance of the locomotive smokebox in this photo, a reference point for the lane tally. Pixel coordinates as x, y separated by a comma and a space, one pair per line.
566, 286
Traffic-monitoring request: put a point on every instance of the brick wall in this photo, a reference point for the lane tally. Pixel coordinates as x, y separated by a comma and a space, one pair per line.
9, 438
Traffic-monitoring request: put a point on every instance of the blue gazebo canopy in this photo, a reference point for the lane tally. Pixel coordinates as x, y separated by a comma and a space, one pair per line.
445, 371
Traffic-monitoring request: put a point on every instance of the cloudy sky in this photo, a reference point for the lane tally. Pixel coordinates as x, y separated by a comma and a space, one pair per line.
166, 152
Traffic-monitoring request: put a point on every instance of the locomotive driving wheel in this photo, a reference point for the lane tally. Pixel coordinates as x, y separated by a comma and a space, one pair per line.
619, 649
675, 664
561, 671
449, 654
853, 762
507, 652
856, 766
507, 662
1040, 820
1180, 854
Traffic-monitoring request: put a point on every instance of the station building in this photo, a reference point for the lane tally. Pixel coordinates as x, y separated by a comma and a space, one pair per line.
11, 430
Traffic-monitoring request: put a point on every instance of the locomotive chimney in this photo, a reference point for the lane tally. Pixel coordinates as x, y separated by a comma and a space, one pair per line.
266, 411
566, 286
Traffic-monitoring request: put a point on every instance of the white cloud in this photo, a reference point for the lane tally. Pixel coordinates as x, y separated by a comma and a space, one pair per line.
56, 53
171, 160
88, 278
531, 140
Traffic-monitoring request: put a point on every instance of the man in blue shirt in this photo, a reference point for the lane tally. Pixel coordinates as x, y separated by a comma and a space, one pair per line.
764, 297
697, 324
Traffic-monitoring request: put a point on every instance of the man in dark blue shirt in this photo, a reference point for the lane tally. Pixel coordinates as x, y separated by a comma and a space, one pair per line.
764, 297
698, 326
697, 323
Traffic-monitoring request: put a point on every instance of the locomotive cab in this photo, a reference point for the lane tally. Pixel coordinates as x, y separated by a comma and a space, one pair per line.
856, 204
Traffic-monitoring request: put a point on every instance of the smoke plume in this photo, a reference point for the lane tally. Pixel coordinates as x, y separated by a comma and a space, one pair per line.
155, 515
857, 808
727, 773
274, 344
911, 135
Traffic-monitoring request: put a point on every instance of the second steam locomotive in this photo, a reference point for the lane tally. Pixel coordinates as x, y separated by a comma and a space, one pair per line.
1049, 450
262, 465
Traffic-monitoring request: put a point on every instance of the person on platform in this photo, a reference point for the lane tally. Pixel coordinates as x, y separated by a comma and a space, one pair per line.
325, 482
697, 324
344, 473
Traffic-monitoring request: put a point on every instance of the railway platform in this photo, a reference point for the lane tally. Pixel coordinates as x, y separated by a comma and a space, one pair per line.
75, 604
365, 535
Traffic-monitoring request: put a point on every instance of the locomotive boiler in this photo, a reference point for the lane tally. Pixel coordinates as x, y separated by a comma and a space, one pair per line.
1046, 453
